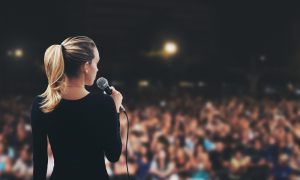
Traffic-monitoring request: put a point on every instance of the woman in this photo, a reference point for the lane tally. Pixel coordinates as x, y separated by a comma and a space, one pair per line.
200, 162
182, 164
144, 157
162, 168
81, 126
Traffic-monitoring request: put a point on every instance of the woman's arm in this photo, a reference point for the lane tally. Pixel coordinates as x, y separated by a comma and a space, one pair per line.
111, 130
39, 141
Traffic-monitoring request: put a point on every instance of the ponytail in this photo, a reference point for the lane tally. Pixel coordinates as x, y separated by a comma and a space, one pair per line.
61, 61
54, 67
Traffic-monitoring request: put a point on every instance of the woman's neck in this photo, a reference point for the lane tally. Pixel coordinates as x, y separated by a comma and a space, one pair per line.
70, 90
74, 93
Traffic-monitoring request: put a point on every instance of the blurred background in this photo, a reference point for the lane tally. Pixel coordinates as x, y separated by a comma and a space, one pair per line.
211, 88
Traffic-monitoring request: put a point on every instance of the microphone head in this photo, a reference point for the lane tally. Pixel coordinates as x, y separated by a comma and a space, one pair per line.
102, 83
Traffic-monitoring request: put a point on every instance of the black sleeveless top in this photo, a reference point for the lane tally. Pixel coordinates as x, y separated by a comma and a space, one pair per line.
80, 133
178, 164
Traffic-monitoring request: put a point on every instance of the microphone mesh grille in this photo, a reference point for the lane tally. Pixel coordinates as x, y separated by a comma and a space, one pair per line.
102, 83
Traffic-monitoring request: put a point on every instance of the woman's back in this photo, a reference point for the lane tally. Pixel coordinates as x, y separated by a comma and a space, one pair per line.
79, 131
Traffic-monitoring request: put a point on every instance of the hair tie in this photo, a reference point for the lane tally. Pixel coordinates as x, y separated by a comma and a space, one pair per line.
62, 46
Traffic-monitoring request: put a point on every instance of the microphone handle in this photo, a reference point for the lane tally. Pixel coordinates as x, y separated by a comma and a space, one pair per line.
108, 91
122, 108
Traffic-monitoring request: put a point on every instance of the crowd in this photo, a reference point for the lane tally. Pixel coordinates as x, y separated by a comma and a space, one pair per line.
182, 136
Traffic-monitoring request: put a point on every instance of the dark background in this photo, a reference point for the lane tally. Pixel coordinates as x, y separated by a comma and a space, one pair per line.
219, 43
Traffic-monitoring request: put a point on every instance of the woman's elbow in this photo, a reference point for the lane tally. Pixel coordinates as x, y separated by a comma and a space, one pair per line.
113, 160
113, 156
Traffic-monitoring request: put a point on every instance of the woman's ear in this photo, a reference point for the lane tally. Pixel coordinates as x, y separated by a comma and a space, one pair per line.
86, 67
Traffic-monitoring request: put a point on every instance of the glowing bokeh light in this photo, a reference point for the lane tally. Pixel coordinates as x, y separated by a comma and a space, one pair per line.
170, 47
18, 53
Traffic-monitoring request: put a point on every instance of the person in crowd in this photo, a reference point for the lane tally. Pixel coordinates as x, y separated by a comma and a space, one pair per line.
283, 148
295, 162
279, 132
7, 136
238, 165
159, 141
245, 128
5, 162
218, 161
182, 164
22, 138
199, 162
144, 159
281, 170
162, 167
272, 150
232, 145
23, 167
258, 165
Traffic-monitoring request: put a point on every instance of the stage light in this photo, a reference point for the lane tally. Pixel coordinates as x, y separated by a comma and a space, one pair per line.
262, 57
170, 47
186, 84
201, 84
162, 103
9, 53
18, 53
143, 83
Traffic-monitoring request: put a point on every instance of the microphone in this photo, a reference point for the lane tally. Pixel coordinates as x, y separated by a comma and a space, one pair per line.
102, 83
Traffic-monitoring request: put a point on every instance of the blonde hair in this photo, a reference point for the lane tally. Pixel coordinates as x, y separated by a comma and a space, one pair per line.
64, 60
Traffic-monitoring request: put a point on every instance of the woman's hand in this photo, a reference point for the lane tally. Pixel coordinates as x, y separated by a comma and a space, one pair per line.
117, 96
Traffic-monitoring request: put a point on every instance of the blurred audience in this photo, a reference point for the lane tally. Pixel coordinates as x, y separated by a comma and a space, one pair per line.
179, 136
